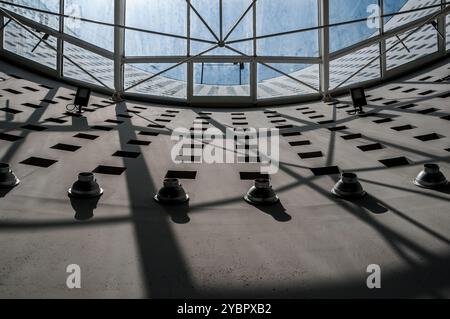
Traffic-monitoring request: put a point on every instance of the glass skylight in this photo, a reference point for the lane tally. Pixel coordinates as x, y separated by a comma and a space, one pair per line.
246, 51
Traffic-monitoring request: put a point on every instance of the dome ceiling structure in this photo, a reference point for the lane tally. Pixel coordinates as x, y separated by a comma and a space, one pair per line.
243, 51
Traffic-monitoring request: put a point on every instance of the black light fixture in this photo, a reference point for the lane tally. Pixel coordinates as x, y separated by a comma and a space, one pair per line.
359, 99
431, 177
7, 177
171, 193
82, 98
348, 187
86, 187
261, 193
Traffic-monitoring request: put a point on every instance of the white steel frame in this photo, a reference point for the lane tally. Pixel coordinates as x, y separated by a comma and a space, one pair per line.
221, 40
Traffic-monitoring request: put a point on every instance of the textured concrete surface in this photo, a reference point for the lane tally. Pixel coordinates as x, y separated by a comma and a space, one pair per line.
311, 245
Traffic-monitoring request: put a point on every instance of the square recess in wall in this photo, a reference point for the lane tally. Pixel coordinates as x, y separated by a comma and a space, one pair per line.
181, 174
109, 170
327, 170
66, 147
395, 162
39, 162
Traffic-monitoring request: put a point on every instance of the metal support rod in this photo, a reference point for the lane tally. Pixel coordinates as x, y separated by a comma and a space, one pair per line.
382, 44
4, 26
403, 43
60, 42
221, 19
45, 37
239, 20
203, 21
201, 77
119, 45
324, 44
436, 27
276, 70
168, 69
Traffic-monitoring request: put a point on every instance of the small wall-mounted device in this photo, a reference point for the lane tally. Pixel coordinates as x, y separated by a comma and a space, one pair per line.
359, 99
82, 98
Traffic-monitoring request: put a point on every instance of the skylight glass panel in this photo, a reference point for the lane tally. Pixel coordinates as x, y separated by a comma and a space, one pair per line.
98, 10
40, 17
398, 6
346, 35
278, 16
163, 79
168, 19
19, 41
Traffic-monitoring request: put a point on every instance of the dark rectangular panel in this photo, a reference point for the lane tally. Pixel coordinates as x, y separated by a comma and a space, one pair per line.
325, 122
39, 162
33, 106
371, 147
327, 170
251, 176
12, 91
64, 98
427, 92
126, 154
86, 136
428, 111
300, 143
10, 110
114, 121
390, 102
407, 106
30, 89
381, 121
10, 137
109, 170
49, 101
402, 128
46, 86
352, 136
394, 162
32, 127
66, 147
139, 142
310, 155
278, 121
428, 137
181, 174
338, 128
55, 120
